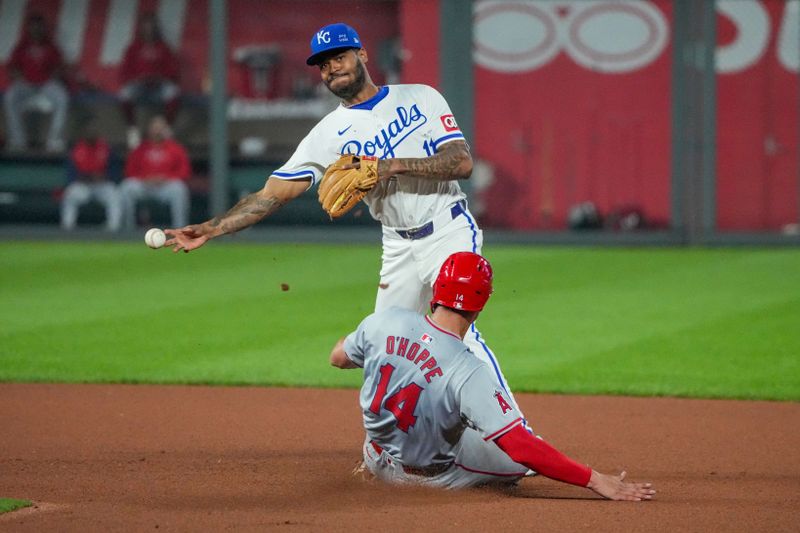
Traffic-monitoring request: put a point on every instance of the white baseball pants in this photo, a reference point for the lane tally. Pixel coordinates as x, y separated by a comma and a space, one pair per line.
172, 192
409, 269
14, 99
79, 193
166, 90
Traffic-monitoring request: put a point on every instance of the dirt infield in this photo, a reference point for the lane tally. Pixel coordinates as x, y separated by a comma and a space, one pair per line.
199, 458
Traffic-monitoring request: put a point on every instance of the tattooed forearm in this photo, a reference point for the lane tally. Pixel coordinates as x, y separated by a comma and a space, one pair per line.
440, 166
453, 162
248, 211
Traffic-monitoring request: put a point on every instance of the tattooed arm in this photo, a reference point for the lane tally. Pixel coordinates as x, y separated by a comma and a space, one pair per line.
452, 162
247, 212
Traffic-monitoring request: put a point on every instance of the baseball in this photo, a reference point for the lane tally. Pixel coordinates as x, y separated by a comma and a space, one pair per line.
155, 238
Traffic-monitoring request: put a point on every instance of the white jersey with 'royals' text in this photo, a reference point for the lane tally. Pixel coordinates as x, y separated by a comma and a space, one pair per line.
399, 121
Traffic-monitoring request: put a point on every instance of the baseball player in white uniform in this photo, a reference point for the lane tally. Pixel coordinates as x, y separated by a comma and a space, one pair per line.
422, 153
433, 412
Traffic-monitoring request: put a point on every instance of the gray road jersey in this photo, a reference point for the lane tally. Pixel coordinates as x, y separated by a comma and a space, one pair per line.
422, 387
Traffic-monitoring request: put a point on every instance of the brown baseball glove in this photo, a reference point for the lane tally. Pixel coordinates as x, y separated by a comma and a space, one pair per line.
341, 189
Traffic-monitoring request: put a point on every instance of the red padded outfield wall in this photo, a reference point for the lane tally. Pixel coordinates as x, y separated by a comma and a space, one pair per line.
572, 97
758, 119
573, 104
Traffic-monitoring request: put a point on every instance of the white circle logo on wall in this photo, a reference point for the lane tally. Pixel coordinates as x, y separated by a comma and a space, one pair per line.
515, 36
605, 36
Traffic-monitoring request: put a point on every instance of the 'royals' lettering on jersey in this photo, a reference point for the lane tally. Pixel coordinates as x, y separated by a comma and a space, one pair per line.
384, 142
400, 121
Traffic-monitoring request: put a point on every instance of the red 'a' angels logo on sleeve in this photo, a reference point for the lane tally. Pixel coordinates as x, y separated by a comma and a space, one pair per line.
502, 401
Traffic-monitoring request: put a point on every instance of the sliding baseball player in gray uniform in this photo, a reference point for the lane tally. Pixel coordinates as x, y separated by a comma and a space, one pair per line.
433, 413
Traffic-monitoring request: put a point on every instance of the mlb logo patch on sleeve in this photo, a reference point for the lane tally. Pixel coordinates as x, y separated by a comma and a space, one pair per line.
427, 339
449, 122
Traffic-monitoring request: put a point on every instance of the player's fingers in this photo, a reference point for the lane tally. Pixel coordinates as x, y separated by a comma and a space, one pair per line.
646, 488
623, 496
180, 231
639, 486
622, 475
631, 495
641, 491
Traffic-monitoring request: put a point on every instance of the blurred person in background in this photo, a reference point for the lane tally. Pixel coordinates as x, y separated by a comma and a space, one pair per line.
35, 70
149, 71
89, 164
157, 169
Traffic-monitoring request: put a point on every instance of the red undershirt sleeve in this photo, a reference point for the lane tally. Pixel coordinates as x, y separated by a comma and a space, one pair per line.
537, 455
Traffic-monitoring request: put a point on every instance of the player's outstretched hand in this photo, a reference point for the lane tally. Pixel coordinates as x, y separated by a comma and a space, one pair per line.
616, 488
187, 238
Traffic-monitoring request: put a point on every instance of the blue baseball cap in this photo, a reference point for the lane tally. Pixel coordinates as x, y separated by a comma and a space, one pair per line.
337, 36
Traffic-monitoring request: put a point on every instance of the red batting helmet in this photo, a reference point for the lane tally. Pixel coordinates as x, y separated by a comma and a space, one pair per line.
464, 282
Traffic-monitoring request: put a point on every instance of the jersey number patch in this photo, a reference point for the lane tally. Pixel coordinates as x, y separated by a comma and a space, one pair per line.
401, 404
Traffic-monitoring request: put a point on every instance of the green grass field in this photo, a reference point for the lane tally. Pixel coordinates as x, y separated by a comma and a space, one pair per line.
684, 322
10, 504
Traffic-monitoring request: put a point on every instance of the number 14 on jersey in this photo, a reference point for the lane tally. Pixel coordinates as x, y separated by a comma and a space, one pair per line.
401, 404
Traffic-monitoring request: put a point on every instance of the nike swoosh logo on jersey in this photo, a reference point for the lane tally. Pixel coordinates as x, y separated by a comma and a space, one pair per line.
344, 130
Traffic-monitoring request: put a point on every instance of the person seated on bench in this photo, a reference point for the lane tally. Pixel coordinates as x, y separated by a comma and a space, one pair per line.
89, 163
149, 71
158, 169
35, 69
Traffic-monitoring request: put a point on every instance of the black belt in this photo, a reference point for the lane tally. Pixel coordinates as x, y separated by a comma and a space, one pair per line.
424, 471
426, 229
